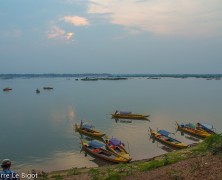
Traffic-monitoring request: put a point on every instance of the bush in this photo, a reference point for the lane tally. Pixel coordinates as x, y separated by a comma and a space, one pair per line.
214, 144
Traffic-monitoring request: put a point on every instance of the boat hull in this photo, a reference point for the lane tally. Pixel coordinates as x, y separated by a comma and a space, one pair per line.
119, 150
112, 158
203, 128
163, 139
93, 133
195, 132
129, 116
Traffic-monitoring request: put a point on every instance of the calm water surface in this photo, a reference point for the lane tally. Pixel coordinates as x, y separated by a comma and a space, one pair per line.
37, 129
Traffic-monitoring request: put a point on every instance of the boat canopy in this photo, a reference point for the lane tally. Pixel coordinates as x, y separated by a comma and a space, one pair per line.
125, 112
208, 126
190, 125
164, 132
96, 144
115, 142
86, 126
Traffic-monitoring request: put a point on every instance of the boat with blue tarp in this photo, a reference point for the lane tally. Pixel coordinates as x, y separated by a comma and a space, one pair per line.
98, 149
191, 129
206, 127
117, 146
163, 136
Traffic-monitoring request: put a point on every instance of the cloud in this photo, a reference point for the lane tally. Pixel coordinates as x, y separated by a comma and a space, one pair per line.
59, 33
163, 17
76, 20
69, 35
56, 32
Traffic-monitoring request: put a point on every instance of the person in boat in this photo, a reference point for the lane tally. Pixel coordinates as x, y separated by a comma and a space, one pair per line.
6, 173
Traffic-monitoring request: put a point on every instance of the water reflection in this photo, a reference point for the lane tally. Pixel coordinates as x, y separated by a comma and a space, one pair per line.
41, 127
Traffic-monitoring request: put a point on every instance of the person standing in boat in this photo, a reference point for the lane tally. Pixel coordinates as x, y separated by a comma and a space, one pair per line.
8, 174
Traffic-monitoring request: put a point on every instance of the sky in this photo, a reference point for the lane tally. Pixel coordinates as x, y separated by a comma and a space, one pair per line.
111, 36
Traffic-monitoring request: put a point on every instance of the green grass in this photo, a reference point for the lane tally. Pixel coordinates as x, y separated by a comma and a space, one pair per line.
212, 144
95, 174
57, 177
73, 171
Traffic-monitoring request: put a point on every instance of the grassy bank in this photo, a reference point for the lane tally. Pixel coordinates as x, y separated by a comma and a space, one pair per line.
210, 147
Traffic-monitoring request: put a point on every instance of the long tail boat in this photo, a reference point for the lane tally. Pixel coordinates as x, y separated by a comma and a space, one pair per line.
191, 129
163, 136
117, 147
98, 149
128, 115
88, 130
206, 127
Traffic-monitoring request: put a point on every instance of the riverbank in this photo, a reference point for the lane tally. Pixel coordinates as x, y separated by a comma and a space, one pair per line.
203, 161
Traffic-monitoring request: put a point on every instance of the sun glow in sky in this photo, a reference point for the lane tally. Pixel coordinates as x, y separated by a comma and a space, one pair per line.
127, 36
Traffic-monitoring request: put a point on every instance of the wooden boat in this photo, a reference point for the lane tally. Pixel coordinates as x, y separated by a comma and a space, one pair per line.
128, 115
117, 147
97, 149
37, 91
191, 129
7, 89
206, 127
47, 88
89, 79
88, 130
163, 136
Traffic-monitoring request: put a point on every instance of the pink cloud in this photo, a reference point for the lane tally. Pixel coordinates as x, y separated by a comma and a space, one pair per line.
76, 20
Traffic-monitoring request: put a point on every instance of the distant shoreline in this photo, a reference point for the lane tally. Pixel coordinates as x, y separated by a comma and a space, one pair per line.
107, 76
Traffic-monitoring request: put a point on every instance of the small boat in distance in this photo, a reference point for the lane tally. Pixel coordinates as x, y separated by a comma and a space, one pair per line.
37, 91
88, 130
163, 137
89, 79
118, 147
7, 89
128, 115
98, 149
192, 130
48, 88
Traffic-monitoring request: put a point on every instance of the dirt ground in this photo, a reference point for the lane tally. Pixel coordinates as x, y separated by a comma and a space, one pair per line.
198, 168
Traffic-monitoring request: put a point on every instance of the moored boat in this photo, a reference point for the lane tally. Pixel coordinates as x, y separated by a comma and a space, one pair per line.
47, 88
98, 149
117, 147
88, 130
7, 89
206, 127
128, 115
163, 136
37, 91
191, 129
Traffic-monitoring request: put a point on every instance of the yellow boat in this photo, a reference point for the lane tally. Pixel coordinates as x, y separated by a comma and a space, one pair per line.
97, 149
191, 129
128, 115
117, 147
88, 130
163, 136
206, 127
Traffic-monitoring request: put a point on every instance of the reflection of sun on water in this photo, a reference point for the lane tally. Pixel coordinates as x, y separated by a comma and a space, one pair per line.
61, 116
71, 115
